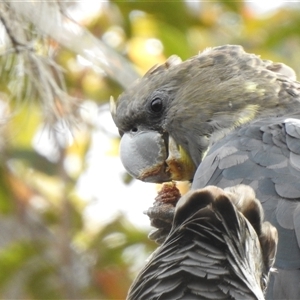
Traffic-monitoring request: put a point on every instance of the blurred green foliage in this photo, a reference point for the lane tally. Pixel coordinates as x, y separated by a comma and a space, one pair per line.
47, 251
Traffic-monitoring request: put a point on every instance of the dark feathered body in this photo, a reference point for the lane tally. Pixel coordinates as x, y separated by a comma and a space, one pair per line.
237, 117
212, 251
266, 156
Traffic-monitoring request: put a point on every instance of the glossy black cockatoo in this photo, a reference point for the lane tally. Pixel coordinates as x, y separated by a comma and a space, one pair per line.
218, 248
223, 117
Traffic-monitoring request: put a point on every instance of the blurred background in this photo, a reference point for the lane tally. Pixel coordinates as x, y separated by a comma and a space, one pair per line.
71, 219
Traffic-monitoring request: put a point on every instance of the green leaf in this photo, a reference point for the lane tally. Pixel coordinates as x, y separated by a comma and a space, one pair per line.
34, 160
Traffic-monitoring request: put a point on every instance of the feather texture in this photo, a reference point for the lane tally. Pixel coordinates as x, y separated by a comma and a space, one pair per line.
212, 251
238, 118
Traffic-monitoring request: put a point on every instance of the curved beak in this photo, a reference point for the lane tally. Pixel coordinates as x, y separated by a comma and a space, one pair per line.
154, 157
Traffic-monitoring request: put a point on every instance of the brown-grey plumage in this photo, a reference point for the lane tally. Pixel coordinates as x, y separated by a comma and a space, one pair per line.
212, 251
265, 155
236, 119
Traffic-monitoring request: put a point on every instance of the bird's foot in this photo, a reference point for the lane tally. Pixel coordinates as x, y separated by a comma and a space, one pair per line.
162, 213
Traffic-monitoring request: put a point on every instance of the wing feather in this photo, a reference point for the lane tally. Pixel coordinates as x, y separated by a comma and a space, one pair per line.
270, 152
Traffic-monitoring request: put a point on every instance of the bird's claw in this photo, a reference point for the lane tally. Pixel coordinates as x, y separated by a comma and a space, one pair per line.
162, 212
161, 218
158, 235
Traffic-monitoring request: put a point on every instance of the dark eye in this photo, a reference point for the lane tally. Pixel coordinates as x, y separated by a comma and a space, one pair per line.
156, 105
